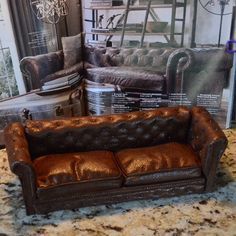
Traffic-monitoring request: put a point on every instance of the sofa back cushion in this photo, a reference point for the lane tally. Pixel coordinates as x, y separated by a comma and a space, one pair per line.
113, 132
138, 57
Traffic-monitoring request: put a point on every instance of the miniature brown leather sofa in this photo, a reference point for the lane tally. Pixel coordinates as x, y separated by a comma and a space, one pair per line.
85, 161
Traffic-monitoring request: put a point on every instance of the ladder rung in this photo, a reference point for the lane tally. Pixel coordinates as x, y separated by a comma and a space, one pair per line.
178, 33
178, 19
137, 8
180, 4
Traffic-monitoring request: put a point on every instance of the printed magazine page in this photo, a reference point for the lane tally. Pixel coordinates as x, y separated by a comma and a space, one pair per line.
104, 128
120, 56
149, 54
40, 61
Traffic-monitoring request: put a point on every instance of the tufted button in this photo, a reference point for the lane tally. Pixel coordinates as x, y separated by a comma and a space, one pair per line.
96, 142
147, 136
75, 122
93, 120
139, 130
58, 123
105, 132
162, 135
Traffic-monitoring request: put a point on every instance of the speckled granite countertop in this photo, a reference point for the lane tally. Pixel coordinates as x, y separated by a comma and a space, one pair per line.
205, 214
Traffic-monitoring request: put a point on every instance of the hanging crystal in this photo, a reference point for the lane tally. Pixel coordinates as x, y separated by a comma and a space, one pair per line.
50, 11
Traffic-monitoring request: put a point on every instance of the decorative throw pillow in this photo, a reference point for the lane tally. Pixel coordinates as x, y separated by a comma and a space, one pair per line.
72, 50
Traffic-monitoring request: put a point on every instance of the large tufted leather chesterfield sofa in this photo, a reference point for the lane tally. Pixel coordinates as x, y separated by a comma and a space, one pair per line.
140, 68
77, 162
165, 70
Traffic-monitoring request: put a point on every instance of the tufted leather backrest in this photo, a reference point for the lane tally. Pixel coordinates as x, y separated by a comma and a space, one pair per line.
113, 132
140, 57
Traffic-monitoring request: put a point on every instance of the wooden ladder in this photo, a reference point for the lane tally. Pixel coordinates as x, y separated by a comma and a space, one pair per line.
127, 11
174, 20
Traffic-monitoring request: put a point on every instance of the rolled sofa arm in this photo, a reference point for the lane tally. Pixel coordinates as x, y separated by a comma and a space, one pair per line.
35, 68
179, 60
20, 161
209, 141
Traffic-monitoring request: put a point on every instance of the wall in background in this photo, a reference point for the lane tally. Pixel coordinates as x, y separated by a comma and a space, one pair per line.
11, 82
208, 27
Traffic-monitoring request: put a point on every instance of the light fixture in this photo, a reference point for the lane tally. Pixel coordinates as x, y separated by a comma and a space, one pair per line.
50, 11
217, 7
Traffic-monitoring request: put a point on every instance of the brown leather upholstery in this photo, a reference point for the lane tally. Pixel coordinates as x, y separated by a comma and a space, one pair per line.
68, 163
35, 68
143, 68
52, 170
207, 139
137, 57
128, 77
83, 172
131, 130
161, 163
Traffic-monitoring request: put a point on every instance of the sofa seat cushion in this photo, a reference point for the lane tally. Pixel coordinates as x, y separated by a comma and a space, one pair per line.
83, 171
129, 77
162, 163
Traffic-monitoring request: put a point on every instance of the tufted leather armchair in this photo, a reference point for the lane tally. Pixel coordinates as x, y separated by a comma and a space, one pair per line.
76, 162
46, 67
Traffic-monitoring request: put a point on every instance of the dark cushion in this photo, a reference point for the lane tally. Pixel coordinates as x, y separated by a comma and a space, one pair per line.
162, 163
72, 50
129, 77
84, 171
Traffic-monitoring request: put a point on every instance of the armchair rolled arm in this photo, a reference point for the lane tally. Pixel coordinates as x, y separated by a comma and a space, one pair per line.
35, 68
179, 61
209, 141
20, 161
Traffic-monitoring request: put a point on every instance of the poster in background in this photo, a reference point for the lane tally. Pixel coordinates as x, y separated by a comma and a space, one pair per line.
187, 54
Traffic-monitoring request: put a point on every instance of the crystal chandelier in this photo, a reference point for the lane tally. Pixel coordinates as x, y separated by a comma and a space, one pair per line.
50, 11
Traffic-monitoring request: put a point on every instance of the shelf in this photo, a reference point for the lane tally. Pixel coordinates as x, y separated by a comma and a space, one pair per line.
149, 10
128, 33
142, 7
